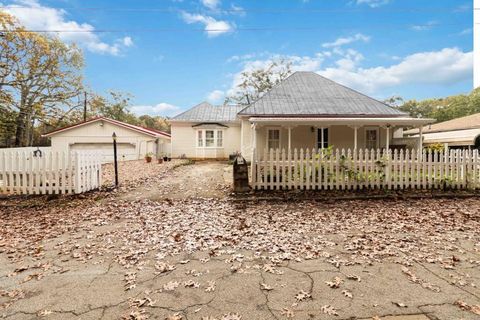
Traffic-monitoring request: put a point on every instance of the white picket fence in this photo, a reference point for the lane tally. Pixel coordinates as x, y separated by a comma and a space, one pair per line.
365, 169
50, 173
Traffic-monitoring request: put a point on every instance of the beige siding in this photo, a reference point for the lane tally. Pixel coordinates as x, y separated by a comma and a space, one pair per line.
98, 135
306, 137
184, 141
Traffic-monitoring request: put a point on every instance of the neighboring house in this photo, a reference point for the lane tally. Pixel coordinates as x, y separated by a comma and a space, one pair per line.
305, 110
462, 132
133, 142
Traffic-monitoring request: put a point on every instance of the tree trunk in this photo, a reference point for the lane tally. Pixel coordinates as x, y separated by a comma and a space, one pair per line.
20, 130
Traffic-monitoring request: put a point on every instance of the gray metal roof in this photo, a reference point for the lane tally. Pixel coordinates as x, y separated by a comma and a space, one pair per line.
307, 94
205, 112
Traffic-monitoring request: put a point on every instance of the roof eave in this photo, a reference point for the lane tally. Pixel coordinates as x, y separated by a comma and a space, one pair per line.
363, 115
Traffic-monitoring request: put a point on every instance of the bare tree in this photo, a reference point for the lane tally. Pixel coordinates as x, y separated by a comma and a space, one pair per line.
255, 83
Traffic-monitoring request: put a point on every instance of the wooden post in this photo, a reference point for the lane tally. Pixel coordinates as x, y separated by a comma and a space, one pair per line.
114, 136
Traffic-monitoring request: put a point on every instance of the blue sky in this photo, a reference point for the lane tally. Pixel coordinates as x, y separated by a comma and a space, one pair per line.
173, 54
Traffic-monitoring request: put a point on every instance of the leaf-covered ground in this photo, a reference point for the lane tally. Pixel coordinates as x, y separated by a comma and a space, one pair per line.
102, 255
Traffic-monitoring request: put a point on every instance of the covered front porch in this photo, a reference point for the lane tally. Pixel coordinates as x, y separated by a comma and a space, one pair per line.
338, 133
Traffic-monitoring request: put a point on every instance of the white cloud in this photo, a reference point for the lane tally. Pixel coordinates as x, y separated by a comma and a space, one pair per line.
346, 40
211, 4
374, 3
161, 109
34, 16
127, 42
465, 32
216, 96
213, 27
444, 67
237, 10
422, 27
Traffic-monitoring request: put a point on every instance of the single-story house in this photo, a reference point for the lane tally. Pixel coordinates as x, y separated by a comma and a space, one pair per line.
462, 132
305, 110
133, 142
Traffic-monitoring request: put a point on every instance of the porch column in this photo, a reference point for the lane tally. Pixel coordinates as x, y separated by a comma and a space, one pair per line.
289, 138
355, 138
387, 144
254, 138
420, 139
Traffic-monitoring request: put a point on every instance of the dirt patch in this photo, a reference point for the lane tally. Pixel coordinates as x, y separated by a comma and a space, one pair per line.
204, 179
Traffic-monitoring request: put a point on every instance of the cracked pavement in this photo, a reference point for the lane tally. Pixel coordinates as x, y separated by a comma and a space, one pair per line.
201, 259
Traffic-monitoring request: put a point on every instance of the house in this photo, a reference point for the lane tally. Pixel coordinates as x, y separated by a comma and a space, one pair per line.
462, 132
206, 131
133, 142
305, 110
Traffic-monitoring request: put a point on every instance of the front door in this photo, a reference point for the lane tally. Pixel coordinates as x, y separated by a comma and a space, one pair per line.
371, 138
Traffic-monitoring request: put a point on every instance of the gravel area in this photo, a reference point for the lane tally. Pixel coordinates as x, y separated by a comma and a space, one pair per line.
133, 173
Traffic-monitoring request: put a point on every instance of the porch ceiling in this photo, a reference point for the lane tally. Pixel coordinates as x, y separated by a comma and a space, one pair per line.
395, 121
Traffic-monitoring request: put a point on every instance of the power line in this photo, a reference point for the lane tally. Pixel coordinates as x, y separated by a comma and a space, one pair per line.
254, 10
172, 29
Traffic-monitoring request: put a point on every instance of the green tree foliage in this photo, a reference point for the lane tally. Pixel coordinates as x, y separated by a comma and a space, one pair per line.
441, 109
39, 76
156, 122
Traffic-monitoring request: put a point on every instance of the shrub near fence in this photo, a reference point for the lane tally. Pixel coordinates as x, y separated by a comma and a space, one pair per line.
327, 169
50, 173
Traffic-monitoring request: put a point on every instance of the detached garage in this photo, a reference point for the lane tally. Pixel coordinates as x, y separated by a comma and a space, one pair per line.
133, 142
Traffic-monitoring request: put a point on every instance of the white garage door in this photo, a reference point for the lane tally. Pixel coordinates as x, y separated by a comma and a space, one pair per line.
125, 151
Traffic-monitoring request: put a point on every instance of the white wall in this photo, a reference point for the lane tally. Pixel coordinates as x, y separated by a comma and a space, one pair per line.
184, 141
134, 145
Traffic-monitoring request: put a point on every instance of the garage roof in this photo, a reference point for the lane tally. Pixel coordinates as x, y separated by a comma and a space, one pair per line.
148, 131
463, 123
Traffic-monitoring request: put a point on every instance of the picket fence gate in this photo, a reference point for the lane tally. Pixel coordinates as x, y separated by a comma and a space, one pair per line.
49, 173
327, 169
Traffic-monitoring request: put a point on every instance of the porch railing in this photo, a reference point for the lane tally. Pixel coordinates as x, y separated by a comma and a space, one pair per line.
326, 169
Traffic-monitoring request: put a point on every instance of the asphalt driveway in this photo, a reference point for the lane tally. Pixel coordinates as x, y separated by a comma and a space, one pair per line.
132, 255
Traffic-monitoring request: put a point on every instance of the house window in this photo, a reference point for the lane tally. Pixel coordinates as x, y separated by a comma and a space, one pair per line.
371, 138
322, 138
273, 138
200, 138
219, 138
210, 138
